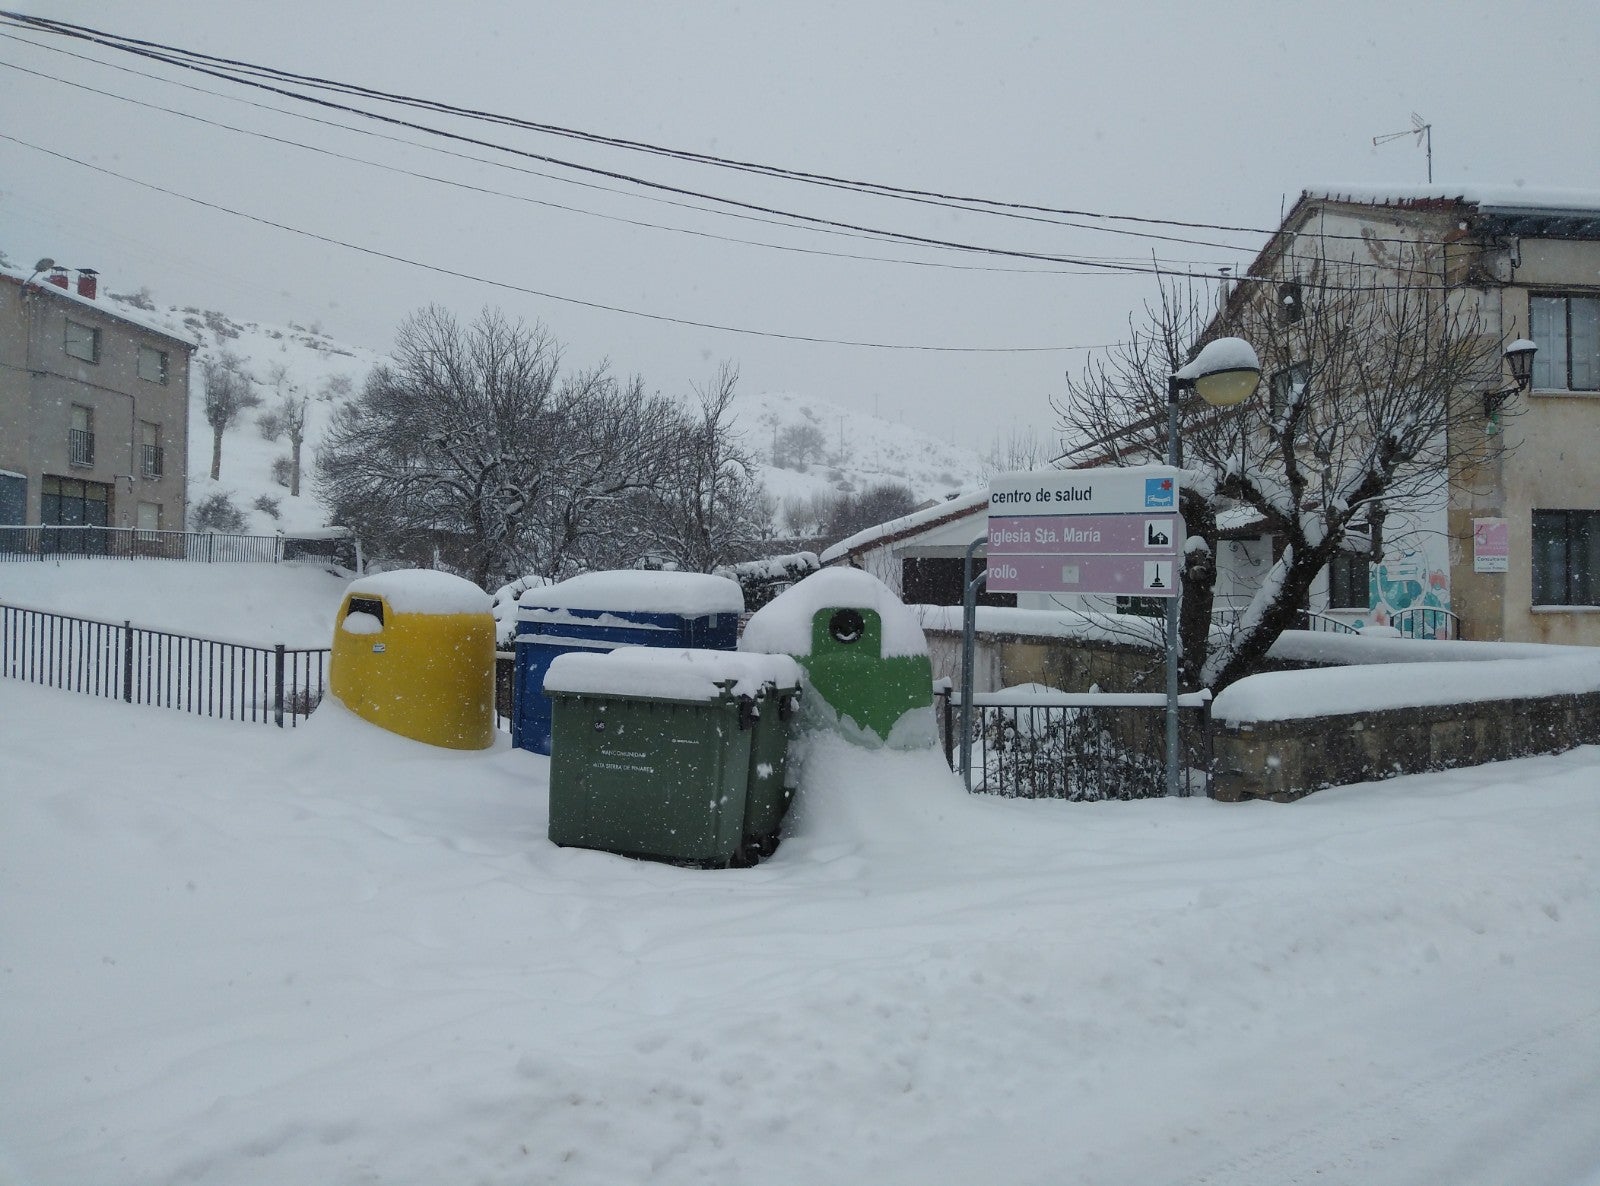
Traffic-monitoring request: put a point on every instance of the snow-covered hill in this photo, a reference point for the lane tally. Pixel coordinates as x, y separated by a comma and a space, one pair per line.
849, 450
854, 450
285, 362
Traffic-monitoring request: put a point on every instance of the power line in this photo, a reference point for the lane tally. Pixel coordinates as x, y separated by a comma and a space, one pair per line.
230, 71
1083, 271
506, 285
190, 59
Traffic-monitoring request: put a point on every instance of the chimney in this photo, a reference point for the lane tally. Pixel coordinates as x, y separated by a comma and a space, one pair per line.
87, 283
57, 276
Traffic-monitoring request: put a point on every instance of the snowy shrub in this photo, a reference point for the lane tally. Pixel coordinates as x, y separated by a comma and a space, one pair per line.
282, 470
268, 505
1079, 754
270, 424
218, 514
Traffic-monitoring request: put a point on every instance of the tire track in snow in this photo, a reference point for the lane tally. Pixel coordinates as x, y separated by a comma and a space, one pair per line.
1475, 1121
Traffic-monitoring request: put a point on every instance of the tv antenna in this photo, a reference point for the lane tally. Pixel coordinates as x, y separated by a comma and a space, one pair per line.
1422, 130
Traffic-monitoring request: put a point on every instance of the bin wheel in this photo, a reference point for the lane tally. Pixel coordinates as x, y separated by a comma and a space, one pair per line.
746, 856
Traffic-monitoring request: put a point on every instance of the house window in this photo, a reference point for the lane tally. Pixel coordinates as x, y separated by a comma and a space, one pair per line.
152, 364
936, 580
83, 341
1566, 557
80, 437
1349, 581
73, 510
1287, 384
1143, 607
149, 517
151, 457
1567, 331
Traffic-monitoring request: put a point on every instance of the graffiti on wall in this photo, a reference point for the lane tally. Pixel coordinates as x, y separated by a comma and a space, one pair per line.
1408, 588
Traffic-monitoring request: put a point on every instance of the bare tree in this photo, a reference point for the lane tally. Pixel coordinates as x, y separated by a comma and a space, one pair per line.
1018, 449
796, 446
474, 444
228, 392
709, 509
456, 437
876, 504
292, 413
1364, 406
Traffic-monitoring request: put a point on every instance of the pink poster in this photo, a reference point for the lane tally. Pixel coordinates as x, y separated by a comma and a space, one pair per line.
1491, 545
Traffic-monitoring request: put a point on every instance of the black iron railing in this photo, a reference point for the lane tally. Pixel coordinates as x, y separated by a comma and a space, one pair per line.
1312, 620
152, 460
80, 447
1426, 621
133, 543
272, 685
1080, 747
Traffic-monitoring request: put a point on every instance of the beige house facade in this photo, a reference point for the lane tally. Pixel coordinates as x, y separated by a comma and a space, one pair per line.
93, 410
1511, 549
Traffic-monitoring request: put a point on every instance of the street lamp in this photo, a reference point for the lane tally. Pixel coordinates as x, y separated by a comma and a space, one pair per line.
1223, 374
1519, 357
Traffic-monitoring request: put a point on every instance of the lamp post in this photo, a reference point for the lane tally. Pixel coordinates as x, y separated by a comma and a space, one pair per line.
1223, 374
1519, 358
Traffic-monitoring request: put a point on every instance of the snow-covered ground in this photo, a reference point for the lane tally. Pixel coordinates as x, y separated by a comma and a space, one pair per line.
262, 604
230, 954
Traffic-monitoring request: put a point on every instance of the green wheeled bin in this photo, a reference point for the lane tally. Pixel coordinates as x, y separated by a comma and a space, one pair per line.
651, 752
771, 789
864, 654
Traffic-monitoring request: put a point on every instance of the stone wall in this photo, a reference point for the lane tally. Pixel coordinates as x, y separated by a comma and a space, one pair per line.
1287, 760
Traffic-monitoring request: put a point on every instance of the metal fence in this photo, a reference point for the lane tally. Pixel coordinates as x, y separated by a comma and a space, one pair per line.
1080, 747
272, 685
1426, 621
52, 542
132, 543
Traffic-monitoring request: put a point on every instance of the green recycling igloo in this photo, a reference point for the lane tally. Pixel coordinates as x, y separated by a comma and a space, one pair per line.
863, 652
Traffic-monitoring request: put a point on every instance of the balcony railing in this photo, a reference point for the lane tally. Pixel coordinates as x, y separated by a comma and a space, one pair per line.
151, 458
80, 447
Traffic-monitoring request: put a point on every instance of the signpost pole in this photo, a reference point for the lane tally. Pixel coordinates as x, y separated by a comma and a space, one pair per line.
969, 651
1174, 459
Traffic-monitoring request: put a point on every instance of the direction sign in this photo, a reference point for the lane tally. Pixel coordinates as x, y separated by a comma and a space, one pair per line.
1110, 532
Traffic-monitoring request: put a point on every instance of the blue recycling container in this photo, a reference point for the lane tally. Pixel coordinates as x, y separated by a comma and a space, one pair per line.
601, 611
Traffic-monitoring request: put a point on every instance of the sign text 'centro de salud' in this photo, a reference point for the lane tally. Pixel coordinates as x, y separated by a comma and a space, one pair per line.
1103, 532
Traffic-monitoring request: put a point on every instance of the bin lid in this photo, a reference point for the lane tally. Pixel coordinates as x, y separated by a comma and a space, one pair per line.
785, 623
423, 591
671, 674
631, 592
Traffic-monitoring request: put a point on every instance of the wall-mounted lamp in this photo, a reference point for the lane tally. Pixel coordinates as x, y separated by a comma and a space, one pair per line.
1519, 358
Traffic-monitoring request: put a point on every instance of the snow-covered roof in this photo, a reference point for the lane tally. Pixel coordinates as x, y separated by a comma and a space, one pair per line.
973, 502
1519, 197
424, 591
120, 312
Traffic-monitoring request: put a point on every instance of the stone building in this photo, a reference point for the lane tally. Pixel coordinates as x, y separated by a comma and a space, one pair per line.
1511, 550
94, 409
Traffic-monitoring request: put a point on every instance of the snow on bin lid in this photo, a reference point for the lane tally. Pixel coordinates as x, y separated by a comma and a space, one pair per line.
667, 674
424, 591
783, 625
641, 591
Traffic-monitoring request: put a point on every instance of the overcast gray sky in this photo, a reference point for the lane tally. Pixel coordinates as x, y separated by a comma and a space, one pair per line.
1215, 113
